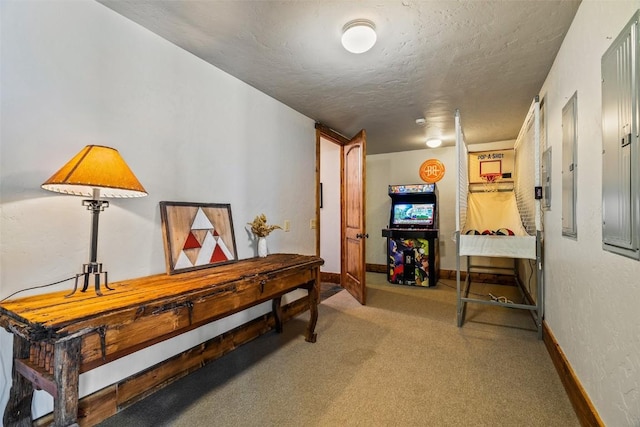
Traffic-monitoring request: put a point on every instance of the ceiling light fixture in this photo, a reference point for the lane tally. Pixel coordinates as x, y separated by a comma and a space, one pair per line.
359, 35
433, 142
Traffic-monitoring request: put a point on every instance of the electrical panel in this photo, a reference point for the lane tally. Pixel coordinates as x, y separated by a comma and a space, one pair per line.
620, 158
569, 167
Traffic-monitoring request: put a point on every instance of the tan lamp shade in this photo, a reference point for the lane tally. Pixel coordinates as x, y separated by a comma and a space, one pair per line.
96, 167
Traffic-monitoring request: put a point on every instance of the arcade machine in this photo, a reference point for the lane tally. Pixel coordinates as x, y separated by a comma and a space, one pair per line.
412, 236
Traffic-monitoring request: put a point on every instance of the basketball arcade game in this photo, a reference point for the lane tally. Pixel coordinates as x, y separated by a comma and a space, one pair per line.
498, 215
412, 237
491, 171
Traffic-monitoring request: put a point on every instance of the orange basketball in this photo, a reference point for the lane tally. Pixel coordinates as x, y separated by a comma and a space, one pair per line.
431, 171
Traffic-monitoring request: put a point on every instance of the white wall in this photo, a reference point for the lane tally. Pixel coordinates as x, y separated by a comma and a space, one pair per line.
403, 168
76, 73
330, 212
592, 296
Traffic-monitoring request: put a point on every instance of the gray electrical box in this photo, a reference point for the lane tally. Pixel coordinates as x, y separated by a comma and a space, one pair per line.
570, 167
620, 159
546, 179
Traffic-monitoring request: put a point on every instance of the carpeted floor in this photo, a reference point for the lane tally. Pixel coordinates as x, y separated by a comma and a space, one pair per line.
398, 361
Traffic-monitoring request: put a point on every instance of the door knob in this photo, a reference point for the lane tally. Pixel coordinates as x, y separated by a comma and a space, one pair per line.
362, 236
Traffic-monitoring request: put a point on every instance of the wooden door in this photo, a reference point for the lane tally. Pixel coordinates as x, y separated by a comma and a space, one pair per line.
353, 214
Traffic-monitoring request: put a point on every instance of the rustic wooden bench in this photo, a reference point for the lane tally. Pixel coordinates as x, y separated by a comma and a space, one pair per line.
57, 338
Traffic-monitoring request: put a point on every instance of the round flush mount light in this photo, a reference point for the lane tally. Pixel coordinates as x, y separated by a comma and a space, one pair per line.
359, 35
433, 142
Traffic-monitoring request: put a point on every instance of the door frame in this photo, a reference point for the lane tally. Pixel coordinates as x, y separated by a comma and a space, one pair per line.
330, 135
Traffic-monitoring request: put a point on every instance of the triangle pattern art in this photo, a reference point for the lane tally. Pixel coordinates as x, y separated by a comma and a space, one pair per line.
183, 261
218, 255
203, 244
224, 248
206, 251
201, 222
192, 242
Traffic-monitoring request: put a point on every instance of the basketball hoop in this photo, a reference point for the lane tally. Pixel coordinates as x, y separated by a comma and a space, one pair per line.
490, 181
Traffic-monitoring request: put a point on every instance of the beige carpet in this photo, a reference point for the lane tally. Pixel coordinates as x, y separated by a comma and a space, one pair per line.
399, 361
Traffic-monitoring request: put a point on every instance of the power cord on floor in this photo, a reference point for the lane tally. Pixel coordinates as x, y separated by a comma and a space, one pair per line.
501, 299
531, 268
456, 288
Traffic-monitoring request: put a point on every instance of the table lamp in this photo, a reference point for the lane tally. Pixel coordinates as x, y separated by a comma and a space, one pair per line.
95, 171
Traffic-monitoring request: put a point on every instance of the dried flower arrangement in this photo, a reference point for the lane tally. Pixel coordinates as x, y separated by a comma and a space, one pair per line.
260, 228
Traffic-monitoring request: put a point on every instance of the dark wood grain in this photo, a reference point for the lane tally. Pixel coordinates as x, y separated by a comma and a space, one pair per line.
67, 336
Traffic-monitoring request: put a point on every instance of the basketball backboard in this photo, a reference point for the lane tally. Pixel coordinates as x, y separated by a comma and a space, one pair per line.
496, 164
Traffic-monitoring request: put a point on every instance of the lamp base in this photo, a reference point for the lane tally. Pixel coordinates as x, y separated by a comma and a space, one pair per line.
92, 269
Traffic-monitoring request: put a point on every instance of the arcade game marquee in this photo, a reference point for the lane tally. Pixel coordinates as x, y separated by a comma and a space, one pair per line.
412, 236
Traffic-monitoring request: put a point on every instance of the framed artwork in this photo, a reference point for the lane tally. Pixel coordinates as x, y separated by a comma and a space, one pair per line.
197, 235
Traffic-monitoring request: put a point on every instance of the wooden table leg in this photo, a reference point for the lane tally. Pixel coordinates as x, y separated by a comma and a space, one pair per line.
277, 313
18, 410
66, 373
314, 292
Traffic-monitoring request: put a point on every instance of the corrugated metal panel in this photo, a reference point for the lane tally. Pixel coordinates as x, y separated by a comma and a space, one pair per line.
620, 159
569, 166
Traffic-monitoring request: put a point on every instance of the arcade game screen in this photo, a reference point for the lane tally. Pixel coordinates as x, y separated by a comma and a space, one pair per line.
413, 214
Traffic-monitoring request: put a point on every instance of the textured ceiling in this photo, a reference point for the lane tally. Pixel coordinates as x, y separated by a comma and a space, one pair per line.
487, 58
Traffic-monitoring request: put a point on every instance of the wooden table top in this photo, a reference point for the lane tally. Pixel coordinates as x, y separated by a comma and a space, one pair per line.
54, 310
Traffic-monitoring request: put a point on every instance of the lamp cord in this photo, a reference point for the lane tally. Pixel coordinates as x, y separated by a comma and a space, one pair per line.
37, 287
